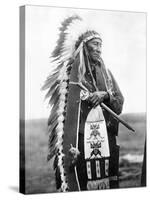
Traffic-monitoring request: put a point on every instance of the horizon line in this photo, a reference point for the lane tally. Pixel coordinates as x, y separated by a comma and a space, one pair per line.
36, 118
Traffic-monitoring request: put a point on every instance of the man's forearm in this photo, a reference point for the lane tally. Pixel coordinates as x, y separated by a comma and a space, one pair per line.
115, 102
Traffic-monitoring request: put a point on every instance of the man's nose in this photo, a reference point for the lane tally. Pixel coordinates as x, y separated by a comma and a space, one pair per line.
98, 49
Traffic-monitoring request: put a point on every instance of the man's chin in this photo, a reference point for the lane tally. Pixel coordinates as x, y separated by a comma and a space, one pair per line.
95, 59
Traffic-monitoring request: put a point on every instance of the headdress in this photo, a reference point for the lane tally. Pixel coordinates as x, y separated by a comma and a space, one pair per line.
73, 35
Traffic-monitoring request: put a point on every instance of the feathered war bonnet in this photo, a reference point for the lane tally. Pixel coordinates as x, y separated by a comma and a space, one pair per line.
72, 37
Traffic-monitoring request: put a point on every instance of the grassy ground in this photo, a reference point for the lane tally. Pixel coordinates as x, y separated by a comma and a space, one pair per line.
39, 174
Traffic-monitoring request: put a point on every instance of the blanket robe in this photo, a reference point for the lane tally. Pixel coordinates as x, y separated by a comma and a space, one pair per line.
114, 102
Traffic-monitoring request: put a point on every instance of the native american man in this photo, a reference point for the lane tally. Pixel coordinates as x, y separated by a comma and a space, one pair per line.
77, 87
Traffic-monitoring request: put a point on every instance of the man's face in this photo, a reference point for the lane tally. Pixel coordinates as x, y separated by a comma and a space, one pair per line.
94, 49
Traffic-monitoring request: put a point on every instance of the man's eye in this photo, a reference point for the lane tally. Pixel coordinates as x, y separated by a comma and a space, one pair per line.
97, 44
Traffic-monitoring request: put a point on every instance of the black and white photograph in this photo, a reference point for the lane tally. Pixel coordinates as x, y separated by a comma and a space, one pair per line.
82, 99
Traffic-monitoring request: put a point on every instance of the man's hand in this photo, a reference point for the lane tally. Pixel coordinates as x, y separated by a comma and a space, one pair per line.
97, 97
74, 153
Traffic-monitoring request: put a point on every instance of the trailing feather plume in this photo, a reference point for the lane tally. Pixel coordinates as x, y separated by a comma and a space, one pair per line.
72, 33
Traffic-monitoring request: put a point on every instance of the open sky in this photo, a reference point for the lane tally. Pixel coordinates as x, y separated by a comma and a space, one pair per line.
123, 51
